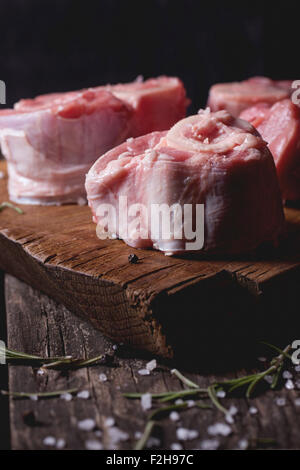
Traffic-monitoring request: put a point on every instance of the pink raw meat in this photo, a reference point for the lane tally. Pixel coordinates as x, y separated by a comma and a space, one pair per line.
237, 96
51, 141
279, 126
211, 159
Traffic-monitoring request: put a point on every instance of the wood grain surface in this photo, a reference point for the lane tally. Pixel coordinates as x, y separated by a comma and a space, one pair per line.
37, 324
156, 305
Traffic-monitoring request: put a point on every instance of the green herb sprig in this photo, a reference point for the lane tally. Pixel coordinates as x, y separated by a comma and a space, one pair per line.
11, 206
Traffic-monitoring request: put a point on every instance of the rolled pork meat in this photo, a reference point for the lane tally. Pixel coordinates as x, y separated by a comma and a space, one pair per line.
211, 161
51, 141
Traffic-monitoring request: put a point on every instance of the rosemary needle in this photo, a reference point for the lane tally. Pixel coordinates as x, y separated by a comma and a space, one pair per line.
146, 434
38, 394
11, 206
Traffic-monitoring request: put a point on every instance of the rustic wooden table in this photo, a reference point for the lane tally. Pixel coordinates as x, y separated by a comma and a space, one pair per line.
36, 324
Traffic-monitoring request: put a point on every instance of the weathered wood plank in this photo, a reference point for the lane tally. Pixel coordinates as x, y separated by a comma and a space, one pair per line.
55, 249
36, 324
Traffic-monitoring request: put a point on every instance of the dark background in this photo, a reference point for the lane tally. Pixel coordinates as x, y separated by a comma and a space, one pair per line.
59, 45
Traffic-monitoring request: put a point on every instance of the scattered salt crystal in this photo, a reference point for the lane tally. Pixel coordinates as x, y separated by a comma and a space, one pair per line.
81, 201
297, 368
117, 435
253, 410
102, 377
34, 397
221, 394
129, 140
221, 429
206, 141
1, 175
243, 444
115, 347
179, 401
297, 402
186, 434
146, 401
151, 365
280, 401
86, 424
229, 418
144, 372
210, 444
176, 446
84, 394
98, 433
233, 410
109, 422
137, 435
139, 79
262, 359
66, 396
93, 444
60, 444
49, 441
190, 403
268, 379
287, 375
40, 372
289, 385
297, 383
153, 442
174, 416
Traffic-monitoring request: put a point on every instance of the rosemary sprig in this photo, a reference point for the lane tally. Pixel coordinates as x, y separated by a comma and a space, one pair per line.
146, 434
38, 394
249, 382
47, 362
10, 206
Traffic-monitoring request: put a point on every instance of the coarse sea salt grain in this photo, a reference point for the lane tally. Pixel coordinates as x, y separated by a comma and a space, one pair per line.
153, 442
60, 444
221, 394
219, 429
66, 397
287, 375
190, 403
176, 446
297, 383
229, 418
1, 175
84, 394
49, 441
86, 424
233, 410
209, 444
93, 444
280, 401
289, 385
186, 434
117, 435
137, 435
102, 377
34, 397
98, 433
174, 416
253, 410
268, 379
297, 368
243, 444
262, 359
151, 365
109, 422
40, 372
179, 401
297, 402
144, 372
146, 401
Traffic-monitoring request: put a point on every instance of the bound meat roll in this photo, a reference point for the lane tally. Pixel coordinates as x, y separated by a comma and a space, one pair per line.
237, 96
51, 141
210, 160
279, 125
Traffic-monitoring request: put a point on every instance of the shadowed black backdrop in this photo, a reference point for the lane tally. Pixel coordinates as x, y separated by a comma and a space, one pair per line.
59, 45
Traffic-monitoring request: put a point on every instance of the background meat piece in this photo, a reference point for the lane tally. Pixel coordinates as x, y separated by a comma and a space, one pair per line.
279, 126
211, 159
237, 96
51, 141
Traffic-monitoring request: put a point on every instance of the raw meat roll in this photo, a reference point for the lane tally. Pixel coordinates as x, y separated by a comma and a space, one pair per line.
210, 159
51, 141
279, 125
237, 96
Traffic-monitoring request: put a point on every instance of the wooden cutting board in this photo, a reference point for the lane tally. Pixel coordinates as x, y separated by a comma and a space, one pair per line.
161, 304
